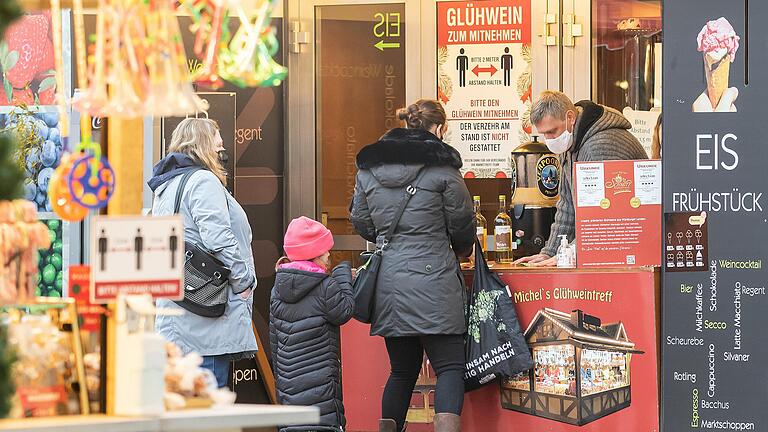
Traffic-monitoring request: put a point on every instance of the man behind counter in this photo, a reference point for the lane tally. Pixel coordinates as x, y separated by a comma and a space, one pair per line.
582, 132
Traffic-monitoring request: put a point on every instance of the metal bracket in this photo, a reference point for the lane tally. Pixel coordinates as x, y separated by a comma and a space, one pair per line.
571, 30
298, 37
550, 23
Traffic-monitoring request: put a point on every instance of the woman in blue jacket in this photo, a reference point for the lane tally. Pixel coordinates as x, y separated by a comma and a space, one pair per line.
214, 220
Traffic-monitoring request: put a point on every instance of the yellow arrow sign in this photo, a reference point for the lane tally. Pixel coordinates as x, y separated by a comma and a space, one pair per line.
381, 45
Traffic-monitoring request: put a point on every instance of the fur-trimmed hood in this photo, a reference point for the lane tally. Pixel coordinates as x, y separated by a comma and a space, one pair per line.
408, 147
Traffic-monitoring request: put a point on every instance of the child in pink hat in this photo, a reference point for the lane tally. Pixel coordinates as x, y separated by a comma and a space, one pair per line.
306, 308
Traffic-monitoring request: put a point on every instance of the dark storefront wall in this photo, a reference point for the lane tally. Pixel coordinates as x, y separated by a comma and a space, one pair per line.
258, 164
714, 317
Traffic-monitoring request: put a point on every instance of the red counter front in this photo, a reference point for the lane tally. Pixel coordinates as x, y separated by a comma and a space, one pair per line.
591, 375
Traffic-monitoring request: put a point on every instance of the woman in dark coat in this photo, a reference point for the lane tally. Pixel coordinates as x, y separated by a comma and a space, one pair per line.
420, 294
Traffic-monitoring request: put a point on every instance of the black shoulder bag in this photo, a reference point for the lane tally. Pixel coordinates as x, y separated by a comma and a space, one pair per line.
364, 286
206, 278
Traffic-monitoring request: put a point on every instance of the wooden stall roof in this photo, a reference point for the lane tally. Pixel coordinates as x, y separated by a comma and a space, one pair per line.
610, 336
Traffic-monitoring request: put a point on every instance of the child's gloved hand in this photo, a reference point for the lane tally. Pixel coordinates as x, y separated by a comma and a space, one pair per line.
342, 270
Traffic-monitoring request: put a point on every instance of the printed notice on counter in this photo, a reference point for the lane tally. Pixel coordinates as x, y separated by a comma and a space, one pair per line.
484, 81
618, 213
137, 255
591, 180
648, 182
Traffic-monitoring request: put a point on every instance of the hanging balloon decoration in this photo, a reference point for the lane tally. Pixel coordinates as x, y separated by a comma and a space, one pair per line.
170, 92
247, 61
210, 24
58, 191
69, 198
137, 66
91, 181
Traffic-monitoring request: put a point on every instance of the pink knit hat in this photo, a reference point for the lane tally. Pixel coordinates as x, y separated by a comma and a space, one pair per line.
306, 239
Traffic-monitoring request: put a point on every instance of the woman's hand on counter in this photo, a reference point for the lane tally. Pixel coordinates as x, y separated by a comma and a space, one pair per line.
535, 260
550, 262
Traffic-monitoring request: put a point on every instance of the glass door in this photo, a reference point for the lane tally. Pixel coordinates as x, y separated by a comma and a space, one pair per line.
352, 69
626, 41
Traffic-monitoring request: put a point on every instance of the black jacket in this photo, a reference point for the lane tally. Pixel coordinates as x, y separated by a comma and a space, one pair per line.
420, 289
305, 312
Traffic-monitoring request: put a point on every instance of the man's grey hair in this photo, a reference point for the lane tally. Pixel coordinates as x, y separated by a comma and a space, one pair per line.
551, 103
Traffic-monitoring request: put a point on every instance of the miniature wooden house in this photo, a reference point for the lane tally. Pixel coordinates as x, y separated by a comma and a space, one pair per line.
581, 369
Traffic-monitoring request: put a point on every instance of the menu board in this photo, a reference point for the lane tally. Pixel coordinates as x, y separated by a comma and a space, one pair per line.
618, 213
715, 196
484, 81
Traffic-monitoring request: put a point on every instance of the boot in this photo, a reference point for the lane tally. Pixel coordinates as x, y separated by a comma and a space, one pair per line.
387, 425
445, 422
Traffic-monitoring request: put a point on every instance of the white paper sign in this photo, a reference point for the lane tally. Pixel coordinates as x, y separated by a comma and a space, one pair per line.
590, 180
643, 126
137, 255
484, 81
648, 182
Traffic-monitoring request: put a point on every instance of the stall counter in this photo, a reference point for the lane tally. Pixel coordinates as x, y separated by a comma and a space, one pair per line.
591, 310
216, 419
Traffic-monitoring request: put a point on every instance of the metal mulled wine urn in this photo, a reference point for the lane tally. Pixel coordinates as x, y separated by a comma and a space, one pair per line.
535, 187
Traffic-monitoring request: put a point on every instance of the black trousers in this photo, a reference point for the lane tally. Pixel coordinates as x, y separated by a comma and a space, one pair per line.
445, 353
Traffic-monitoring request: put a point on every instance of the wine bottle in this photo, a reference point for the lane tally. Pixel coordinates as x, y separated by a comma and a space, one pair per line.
481, 225
503, 233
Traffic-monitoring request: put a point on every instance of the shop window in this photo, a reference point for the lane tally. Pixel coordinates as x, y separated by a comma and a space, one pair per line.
546, 331
602, 371
521, 381
358, 91
555, 370
627, 53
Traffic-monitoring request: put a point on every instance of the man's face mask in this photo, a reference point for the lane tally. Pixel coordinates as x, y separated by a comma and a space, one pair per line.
561, 143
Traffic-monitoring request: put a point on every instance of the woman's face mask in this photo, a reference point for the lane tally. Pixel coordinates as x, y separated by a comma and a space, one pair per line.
223, 157
218, 146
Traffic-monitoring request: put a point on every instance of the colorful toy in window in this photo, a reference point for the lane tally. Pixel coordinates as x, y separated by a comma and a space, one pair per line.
137, 65
83, 181
247, 61
60, 196
209, 23
170, 91
59, 193
91, 181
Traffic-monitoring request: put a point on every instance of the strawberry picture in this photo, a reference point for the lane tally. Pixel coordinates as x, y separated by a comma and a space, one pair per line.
47, 96
27, 61
23, 96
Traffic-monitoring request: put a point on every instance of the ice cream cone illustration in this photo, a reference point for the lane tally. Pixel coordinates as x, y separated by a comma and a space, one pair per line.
716, 72
718, 43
